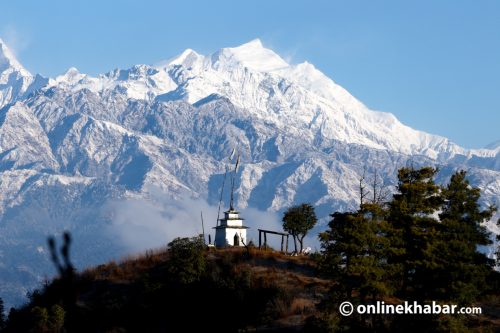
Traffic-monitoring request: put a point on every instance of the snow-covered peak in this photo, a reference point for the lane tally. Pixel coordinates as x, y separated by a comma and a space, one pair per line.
252, 55
15, 80
71, 76
294, 97
493, 145
140, 82
490, 150
9, 61
187, 59
72, 71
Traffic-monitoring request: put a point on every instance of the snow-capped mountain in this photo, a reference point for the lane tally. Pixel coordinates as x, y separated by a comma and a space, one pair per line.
73, 145
493, 145
15, 81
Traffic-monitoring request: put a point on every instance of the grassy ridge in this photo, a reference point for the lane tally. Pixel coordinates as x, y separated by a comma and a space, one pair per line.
238, 290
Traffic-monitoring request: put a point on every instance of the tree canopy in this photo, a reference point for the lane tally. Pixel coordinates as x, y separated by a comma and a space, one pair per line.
297, 221
421, 245
187, 259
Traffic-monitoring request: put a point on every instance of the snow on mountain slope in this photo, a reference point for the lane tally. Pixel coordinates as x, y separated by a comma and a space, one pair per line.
258, 80
493, 145
15, 81
23, 143
73, 145
300, 96
9, 64
251, 55
138, 82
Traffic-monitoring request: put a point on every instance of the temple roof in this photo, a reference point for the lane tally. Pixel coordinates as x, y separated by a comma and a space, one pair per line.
230, 227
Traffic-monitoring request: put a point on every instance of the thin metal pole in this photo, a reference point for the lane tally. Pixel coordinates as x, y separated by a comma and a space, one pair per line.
202, 227
220, 198
231, 207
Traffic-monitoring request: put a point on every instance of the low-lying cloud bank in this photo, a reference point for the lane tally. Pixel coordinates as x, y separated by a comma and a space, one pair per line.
139, 224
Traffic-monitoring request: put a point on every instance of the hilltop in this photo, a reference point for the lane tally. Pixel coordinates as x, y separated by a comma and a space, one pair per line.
191, 288
229, 290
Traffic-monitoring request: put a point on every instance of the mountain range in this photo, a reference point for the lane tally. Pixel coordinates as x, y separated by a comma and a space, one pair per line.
102, 156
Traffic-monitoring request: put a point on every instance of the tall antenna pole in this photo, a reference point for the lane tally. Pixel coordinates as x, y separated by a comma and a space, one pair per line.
202, 227
220, 198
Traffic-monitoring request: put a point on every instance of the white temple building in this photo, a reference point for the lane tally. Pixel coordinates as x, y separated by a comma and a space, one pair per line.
231, 231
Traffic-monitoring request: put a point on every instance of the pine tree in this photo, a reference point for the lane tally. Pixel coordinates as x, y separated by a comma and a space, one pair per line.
413, 229
462, 270
422, 245
353, 251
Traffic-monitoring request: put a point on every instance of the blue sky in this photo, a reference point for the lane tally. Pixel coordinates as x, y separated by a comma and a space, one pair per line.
434, 64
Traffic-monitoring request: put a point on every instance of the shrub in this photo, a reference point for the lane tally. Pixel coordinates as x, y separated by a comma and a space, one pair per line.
187, 262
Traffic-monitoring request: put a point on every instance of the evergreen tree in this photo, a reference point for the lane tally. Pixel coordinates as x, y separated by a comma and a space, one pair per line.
297, 221
354, 252
422, 245
462, 269
413, 229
